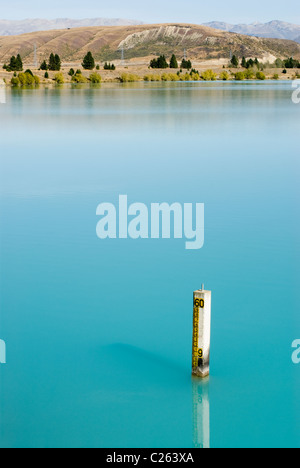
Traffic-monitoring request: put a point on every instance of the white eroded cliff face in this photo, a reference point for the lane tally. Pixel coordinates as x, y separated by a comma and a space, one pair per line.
161, 33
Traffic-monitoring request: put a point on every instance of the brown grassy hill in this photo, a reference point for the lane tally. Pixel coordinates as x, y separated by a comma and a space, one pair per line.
105, 43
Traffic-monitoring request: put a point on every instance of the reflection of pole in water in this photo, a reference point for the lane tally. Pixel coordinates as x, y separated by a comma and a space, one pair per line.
2, 352
201, 419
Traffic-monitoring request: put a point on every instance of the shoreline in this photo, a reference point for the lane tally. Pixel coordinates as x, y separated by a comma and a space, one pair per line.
117, 83
6, 81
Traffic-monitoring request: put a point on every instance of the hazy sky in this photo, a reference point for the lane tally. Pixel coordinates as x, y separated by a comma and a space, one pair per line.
191, 11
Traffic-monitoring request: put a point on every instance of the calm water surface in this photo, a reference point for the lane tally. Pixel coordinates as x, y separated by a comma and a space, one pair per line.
98, 333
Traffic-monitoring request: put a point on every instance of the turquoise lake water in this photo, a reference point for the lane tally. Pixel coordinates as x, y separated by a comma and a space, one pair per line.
99, 332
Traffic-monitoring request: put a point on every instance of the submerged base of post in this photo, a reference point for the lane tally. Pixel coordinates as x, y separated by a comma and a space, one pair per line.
198, 373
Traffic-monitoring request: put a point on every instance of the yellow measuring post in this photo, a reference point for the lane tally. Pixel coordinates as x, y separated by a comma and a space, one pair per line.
201, 332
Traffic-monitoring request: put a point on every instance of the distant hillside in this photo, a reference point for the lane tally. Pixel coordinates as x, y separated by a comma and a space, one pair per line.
273, 29
105, 43
12, 28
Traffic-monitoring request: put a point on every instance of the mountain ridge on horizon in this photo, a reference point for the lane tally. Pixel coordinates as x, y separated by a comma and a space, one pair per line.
28, 25
275, 29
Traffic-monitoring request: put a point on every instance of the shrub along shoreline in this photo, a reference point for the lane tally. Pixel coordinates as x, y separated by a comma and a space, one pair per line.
28, 79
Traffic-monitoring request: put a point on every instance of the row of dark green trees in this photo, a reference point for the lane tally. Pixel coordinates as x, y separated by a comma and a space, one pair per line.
235, 62
88, 63
288, 63
291, 63
54, 63
161, 62
15, 64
